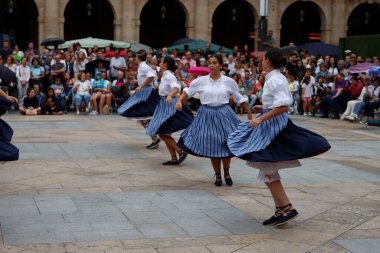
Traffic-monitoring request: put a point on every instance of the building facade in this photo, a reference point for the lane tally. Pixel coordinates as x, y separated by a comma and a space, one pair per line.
161, 22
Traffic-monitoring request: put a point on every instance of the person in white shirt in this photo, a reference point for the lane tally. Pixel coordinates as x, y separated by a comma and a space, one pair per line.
166, 120
117, 64
82, 90
271, 140
215, 120
23, 77
143, 102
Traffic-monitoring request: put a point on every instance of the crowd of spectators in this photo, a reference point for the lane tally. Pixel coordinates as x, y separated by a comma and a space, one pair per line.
95, 80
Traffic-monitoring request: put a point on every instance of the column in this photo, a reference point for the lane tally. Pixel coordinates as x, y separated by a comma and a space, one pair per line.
201, 18
337, 22
128, 21
117, 29
41, 30
52, 27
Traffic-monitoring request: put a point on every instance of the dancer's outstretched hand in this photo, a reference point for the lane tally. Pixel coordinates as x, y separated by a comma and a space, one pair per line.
138, 89
255, 122
168, 100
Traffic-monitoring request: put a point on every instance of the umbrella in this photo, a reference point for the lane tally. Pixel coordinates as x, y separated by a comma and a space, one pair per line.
320, 48
289, 49
199, 71
7, 74
135, 47
112, 53
193, 46
91, 42
90, 67
374, 72
183, 41
362, 67
52, 42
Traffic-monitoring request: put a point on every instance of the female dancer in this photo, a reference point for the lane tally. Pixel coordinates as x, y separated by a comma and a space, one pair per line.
144, 101
271, 141
165, 119
207, 135
8, 152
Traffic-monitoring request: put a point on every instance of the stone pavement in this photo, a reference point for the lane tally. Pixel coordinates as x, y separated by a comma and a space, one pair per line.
88, 184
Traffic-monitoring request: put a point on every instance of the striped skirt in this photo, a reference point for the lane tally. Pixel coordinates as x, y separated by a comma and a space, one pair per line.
5, 104
166, 119
8, 152
275, 140
207, 135
142, 104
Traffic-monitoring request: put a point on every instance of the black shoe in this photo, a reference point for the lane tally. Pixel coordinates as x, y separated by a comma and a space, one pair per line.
228, 180
274, 219
172, 162
182, 157
218, 181
154, 144
286, 217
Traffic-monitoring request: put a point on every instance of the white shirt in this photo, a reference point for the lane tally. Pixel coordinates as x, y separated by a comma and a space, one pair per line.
215, 93
144, 72
276, 91
309, 90
168, 83
23, 73
83, 88
117, 62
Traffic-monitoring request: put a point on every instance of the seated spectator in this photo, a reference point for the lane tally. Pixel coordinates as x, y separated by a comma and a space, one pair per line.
336, 99
98, 88
119, 87
59, 91
374, 101
30, 104
68, 84
106, 97
37, 93
354, 88
50, 104
82, 90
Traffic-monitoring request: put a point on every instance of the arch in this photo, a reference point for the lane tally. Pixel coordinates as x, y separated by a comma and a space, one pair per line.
20, 22
364, 19
302, 22
78, 15
162, 22
233, 23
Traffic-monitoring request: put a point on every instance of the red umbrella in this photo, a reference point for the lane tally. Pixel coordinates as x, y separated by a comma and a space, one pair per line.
199, 71
112, 53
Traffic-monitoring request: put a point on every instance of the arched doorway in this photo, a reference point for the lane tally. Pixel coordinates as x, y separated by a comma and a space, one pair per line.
233, 23
19, 22
162, 23
89, 18
364, 20
300, 24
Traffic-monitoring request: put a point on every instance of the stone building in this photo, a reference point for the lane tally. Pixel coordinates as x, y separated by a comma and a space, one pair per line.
160, 22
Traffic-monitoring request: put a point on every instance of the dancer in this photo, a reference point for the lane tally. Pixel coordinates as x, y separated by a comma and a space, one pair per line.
207, 135
8, 152
166, 119
271, 141
143, 102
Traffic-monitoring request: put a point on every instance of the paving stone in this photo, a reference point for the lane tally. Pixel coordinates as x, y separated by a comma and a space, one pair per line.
110, 225
29, 238
107, 235
139, 218
94, 217
161, 230
360, 245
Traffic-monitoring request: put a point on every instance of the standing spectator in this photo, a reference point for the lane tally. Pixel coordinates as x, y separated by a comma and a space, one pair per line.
294, 88
332, 67
80, 64
5, 50
190, 60
23, 77
69, 65
37, 73
231, 63
78, 49
268, 41
57, 68
31, 50
18, 52
208, 52
12, 66
308, 92
117, 64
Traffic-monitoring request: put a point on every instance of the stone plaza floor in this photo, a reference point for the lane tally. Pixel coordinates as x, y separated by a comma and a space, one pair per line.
88, 184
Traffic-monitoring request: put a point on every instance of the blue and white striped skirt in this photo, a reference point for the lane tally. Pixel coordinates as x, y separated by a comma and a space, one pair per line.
5, 104
207, 135
141, 104
166, 119
275, 140
8, 152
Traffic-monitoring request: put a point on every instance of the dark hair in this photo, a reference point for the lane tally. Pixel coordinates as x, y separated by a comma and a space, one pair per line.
219, 58
29, 90
36, 59
171, 63
141, 54
276, 58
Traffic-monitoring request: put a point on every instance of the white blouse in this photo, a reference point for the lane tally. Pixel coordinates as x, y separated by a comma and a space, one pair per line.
276, 91
168, 83
215, 93
144, 72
